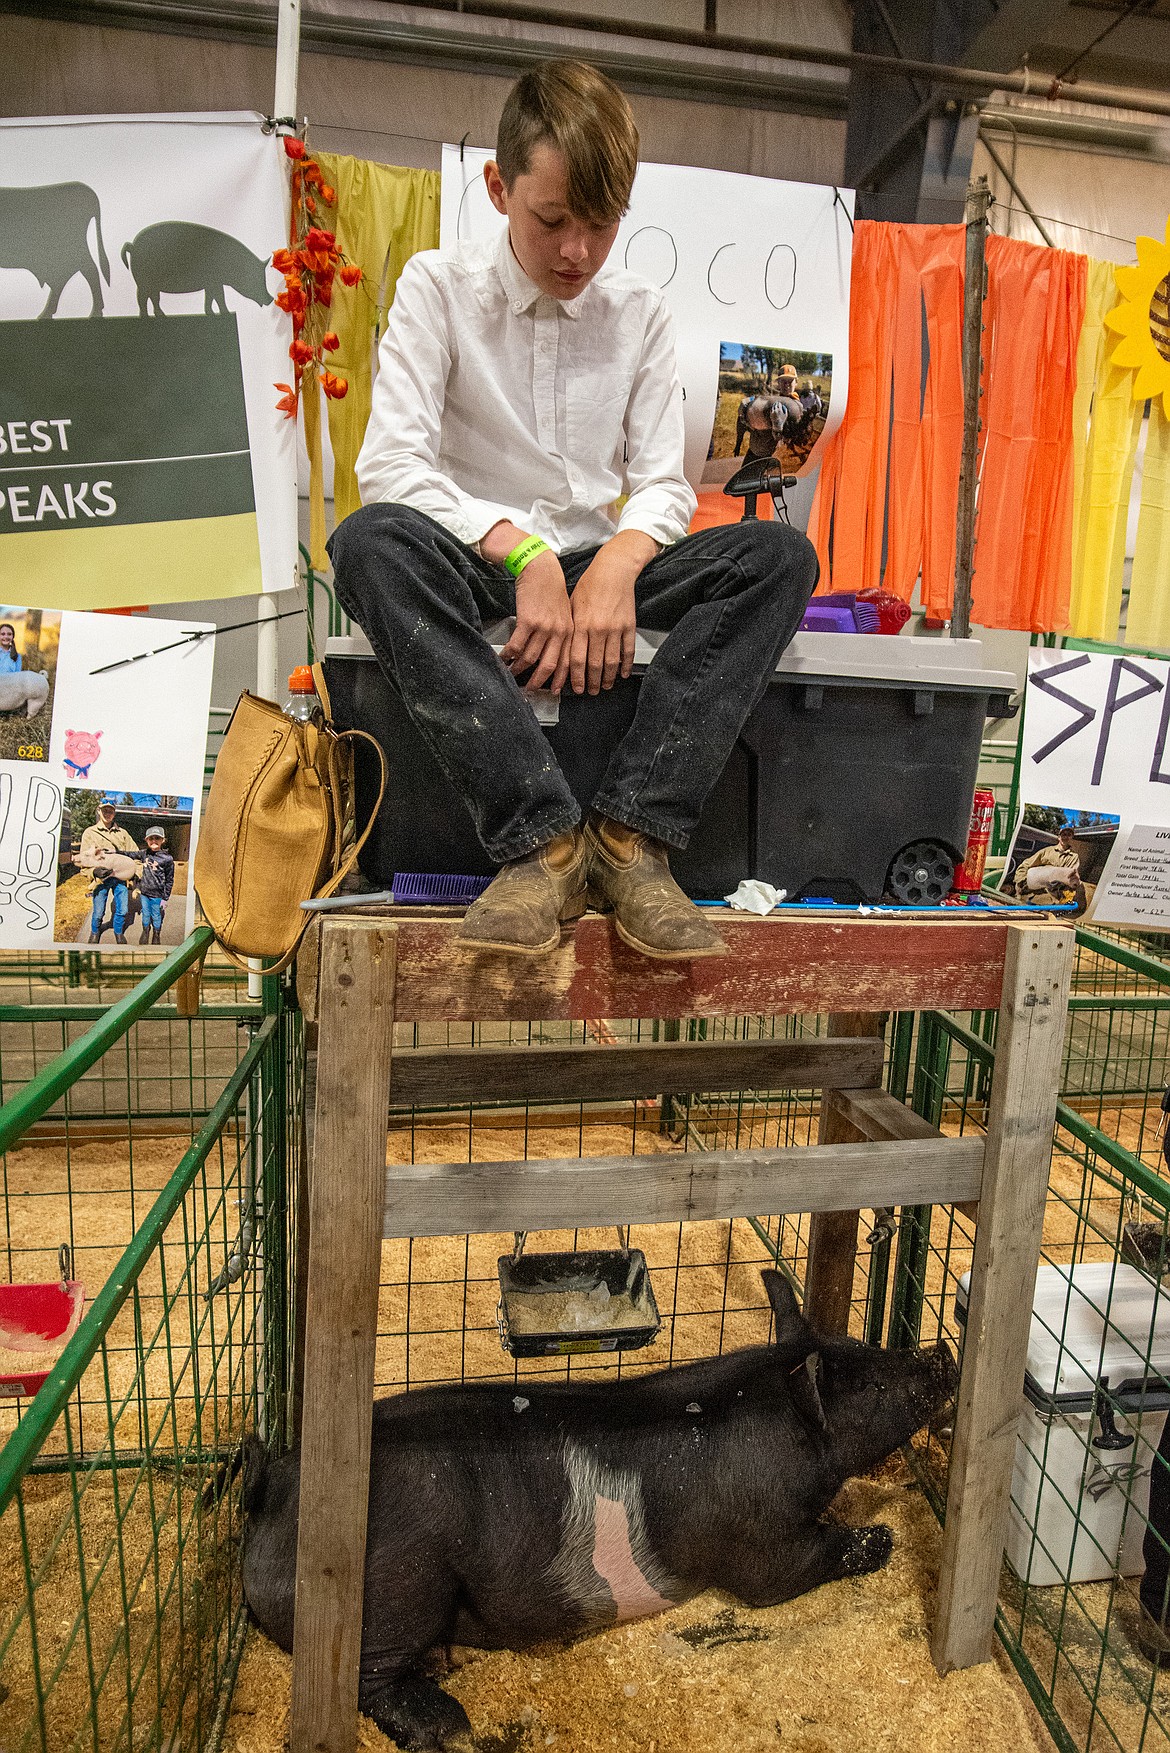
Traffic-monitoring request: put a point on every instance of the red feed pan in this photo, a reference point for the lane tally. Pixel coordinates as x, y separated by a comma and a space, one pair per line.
34, 1317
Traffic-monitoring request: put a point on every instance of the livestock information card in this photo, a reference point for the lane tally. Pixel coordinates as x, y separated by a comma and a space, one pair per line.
101, 773
1136, 887
1095, 777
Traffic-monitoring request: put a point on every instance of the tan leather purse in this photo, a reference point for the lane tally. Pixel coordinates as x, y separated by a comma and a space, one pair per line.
275, 827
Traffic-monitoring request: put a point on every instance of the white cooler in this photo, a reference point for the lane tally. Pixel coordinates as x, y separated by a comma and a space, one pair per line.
1078, 1510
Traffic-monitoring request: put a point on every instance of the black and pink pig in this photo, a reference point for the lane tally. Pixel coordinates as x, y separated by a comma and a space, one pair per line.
506, 1515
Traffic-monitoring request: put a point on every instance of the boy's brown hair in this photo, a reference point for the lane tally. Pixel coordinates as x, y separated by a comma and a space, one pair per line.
578, 110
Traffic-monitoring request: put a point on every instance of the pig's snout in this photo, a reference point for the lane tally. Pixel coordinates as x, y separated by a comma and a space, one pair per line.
943, 1367
942, 1380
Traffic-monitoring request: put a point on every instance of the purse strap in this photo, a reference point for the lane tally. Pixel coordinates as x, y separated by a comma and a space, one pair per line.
342, 866
322, 687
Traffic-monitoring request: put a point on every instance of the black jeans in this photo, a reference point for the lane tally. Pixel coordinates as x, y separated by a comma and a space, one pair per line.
1155, 1584
730, 599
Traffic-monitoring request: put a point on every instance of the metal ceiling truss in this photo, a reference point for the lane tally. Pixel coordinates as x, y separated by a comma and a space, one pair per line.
970, 50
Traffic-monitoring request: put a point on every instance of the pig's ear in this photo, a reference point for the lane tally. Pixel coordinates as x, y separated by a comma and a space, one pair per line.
804, 1387
792, 1330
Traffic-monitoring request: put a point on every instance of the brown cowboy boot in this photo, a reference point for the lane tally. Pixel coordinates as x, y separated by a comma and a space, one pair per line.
524, 906
629, 873
1152, 1639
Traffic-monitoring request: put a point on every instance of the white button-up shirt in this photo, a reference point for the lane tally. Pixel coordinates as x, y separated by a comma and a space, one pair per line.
495, 401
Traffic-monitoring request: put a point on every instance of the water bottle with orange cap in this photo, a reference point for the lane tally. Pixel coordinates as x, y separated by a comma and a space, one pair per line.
303, 705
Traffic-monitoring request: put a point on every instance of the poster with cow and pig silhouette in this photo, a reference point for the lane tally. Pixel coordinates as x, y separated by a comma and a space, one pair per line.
142, 458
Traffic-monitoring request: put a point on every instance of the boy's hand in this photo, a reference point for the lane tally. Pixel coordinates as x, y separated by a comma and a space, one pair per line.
538, 651
604, 614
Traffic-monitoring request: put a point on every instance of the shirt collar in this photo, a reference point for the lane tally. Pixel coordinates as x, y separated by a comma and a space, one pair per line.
521, 292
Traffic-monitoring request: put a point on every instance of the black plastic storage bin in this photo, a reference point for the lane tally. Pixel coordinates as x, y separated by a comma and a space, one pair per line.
852, 778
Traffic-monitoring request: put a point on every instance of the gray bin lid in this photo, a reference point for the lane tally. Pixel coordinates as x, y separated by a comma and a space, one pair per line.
1098, 1319
820, 657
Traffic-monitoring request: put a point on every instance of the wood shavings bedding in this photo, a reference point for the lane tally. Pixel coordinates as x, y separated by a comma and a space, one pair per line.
845, 1669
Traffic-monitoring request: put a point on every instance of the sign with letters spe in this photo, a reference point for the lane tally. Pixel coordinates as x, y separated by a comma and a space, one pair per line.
1096, 740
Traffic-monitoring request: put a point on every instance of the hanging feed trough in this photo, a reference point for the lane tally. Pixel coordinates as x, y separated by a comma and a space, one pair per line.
36, 1323
555, 1305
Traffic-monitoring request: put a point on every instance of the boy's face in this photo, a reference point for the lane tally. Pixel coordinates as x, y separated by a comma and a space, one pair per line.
559, 252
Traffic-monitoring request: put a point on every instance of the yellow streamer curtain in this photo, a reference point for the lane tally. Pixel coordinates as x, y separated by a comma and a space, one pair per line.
891, 472
1148, 622
382, 216
1106, 423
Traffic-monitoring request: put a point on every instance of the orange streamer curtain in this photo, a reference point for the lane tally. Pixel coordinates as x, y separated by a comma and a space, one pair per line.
1023, 533
890, 477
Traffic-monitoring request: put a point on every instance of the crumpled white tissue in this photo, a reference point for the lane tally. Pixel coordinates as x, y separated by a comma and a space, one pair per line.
753, 896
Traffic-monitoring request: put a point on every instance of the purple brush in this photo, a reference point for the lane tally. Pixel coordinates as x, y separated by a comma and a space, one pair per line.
423, 889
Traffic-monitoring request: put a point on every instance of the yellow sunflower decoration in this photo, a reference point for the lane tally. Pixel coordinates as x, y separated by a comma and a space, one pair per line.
1142, 317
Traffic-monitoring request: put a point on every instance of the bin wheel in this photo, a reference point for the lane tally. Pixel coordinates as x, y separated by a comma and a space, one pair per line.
922, 874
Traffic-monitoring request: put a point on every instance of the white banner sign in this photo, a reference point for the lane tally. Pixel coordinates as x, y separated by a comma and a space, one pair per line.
1095, 733
101, 772
756, 273
1096, 751
142, 457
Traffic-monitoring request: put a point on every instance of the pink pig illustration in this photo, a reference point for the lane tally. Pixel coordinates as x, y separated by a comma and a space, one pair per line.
82, 748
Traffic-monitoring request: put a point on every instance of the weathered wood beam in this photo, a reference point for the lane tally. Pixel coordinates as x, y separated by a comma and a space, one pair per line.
443, 1199
448, 1076
877, 1115
776, 966
1028, 1051
346, 1183
832, 1235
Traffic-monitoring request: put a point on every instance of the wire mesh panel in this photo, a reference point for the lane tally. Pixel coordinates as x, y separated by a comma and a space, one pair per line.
1081, 1533
121, 1614
439, 1304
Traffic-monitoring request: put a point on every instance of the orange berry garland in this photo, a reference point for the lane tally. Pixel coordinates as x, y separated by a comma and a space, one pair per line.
310, 265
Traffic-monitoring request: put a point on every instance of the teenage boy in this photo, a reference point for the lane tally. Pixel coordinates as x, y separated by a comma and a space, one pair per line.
525, 392
155, 884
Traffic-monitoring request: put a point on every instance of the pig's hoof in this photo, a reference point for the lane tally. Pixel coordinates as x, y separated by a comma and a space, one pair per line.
419, 1715
869, 1549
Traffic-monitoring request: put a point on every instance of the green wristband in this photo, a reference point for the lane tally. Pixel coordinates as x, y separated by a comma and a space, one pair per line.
523, 553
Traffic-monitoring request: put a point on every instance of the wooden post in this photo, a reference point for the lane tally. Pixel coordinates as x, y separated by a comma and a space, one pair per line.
346, 1197
832, 1235
974, 292
1028, 1055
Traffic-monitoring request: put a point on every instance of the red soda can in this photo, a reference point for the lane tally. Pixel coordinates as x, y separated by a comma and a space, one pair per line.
969, 874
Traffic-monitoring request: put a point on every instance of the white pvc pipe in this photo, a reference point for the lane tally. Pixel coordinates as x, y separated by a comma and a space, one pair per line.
267, 671
288, 47
284, 105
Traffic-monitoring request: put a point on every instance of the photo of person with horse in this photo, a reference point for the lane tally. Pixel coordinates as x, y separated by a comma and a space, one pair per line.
771, 402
